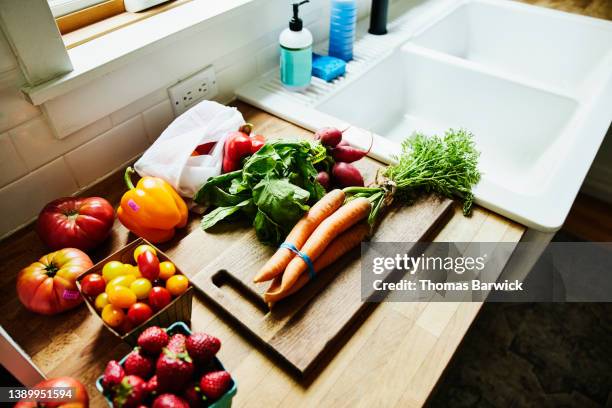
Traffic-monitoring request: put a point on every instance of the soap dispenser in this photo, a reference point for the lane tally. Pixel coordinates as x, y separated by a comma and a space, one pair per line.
296, 53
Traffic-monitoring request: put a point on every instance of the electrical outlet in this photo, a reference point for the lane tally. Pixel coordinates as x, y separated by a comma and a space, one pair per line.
189, 91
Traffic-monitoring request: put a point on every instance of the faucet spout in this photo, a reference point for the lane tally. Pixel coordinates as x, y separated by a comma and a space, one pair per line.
378, 17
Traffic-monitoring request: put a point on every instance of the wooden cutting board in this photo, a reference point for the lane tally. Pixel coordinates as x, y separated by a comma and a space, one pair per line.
301, 327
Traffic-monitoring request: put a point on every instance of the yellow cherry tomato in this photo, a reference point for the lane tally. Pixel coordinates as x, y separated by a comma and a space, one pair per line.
141, 288
101, 301
112, 315
133, 270
111, 270
143, 248
166, 270
122, 297
177, 284
123, 280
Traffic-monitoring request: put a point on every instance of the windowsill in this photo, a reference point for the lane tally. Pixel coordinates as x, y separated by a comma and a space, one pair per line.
105, 54
114, 23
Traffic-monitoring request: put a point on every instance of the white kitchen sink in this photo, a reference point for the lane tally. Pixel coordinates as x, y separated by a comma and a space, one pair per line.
533, 85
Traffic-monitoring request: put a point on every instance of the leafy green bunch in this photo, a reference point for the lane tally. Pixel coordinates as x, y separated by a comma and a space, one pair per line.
273, 190
445, 165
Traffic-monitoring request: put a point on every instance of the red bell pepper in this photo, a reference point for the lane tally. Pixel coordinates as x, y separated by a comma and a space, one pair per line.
237, 145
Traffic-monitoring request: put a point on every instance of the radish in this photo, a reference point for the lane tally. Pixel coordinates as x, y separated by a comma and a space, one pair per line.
323, 179
347, 154
347, 175
328, 136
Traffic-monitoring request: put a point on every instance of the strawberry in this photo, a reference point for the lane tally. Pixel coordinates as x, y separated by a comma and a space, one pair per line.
138, 364
169, 401
113, 374
153, 340
177, 343
214, 384
192, 396
130, 393
202, 347
173, 370
152, 385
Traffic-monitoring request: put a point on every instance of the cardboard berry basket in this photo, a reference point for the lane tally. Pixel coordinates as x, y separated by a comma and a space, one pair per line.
179, 327
179, 309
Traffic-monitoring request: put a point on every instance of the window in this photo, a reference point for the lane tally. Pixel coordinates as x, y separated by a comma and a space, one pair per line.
71, 15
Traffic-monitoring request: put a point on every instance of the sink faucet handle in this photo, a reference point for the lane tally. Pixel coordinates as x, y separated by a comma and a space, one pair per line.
378, 17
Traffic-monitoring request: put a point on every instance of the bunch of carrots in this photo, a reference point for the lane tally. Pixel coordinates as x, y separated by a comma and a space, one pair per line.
327, 231
446, 165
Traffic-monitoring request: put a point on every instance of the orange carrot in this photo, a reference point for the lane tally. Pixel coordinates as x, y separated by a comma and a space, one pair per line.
341, 220
339, 246
300, 233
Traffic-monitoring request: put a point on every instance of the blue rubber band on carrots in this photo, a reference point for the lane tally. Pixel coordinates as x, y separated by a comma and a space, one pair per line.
305, 258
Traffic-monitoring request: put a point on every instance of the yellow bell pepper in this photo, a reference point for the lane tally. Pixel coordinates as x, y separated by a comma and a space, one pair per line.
152, 209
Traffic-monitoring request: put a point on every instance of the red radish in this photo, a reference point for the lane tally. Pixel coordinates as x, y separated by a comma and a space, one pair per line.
344, 152
347, 154
328, 136
347, 175
323, 179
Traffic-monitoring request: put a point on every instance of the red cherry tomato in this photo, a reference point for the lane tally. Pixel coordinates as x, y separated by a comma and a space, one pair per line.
93, 284
159, 298
139, 313
148, 264
257, 143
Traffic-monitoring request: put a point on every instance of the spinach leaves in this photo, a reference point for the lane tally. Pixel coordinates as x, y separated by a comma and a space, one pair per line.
273, 190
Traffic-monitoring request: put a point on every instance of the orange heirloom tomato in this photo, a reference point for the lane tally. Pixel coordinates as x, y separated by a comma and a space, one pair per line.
48, 285
152, 209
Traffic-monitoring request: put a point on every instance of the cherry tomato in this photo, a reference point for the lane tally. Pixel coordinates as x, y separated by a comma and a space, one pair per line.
143, 248
120, 296
133, 270
139, 313
141, 288
112, 269
159, 298
101, 301
177, 284
93, 284
148, 264
166, 270
113, 315
123, 280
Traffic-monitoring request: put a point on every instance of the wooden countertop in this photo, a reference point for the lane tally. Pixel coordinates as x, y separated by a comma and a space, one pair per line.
394, 358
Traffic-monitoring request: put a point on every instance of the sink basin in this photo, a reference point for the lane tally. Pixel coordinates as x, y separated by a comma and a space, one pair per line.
533, 85
554, 48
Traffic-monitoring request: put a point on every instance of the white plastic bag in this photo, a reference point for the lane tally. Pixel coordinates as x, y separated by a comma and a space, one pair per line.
169, 157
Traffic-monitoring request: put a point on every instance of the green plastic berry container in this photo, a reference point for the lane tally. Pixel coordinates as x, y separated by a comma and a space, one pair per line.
179, 327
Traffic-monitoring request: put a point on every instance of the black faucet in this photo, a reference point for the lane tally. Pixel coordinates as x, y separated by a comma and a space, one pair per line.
378, 17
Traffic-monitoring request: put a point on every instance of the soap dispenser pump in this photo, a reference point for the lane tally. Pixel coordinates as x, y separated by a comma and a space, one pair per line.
296, 53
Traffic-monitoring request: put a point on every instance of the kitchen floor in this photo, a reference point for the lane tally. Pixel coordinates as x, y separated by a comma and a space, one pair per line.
533, 355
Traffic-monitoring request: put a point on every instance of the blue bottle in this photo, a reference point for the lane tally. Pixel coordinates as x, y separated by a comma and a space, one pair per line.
342, 24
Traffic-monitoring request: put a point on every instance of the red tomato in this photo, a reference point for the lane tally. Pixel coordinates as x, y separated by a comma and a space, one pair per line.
74, 222
79, 398
148, 265
159, 298
93, 284
257, 143
139, 313
48, 285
